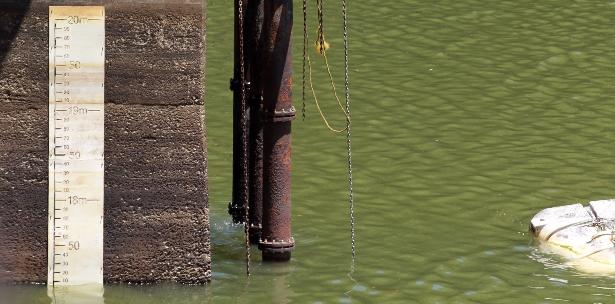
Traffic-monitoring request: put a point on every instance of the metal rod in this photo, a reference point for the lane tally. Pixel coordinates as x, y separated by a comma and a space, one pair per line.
240, 189
256, 170
254, 15
276, 240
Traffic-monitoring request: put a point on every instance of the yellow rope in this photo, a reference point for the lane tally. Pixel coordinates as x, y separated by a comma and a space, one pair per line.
324, 53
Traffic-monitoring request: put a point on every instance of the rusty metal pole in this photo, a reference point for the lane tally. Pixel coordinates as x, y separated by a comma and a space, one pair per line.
254, 15
237, 205
276, 240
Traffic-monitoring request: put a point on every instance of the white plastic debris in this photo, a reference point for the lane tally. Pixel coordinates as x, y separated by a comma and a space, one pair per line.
585, 236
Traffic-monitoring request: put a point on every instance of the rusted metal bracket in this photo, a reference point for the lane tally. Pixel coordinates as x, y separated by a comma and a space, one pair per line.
235, 86
284, 114
277, 250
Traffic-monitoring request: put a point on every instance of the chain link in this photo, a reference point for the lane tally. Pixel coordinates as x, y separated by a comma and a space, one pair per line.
305, 45
321, 34
349, 136
244, 127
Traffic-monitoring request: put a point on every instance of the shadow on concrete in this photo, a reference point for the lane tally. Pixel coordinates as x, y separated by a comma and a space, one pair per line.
12, 13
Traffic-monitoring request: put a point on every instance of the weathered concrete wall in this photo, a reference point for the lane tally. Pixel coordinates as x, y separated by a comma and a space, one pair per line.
156, 209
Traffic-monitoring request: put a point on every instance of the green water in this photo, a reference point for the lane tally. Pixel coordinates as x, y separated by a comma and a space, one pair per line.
469, 117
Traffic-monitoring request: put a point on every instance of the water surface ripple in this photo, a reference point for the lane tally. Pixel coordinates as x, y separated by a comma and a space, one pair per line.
469, 117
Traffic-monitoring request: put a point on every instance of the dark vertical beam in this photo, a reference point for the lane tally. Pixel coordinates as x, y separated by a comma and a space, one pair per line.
254, 38
240, 191
256, 170
276, 239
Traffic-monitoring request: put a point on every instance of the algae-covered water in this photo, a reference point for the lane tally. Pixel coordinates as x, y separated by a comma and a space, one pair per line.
469, 117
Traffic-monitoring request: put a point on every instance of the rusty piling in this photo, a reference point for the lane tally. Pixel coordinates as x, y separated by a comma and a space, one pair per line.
252, 188
254, 15
276, 240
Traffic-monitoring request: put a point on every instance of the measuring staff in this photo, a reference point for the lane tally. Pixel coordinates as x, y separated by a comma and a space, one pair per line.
76, 144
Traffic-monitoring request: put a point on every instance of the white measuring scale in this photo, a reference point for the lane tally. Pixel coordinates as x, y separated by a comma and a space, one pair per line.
76, 144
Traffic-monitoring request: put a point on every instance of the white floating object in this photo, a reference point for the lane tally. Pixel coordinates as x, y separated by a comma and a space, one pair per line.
585, 236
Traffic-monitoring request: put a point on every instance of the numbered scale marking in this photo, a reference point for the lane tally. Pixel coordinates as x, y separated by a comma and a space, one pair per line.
76, 144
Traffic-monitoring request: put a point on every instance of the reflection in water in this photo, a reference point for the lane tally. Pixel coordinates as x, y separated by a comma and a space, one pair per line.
82, 294
278, 278
281, 292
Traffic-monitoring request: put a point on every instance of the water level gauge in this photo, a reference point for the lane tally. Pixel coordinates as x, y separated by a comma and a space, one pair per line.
76, 144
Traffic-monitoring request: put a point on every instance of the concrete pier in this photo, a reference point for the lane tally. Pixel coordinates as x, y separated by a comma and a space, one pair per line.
156, 208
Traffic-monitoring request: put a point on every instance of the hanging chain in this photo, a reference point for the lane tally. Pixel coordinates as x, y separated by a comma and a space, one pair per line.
305, 43
321, 35
244, 137
349, 135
